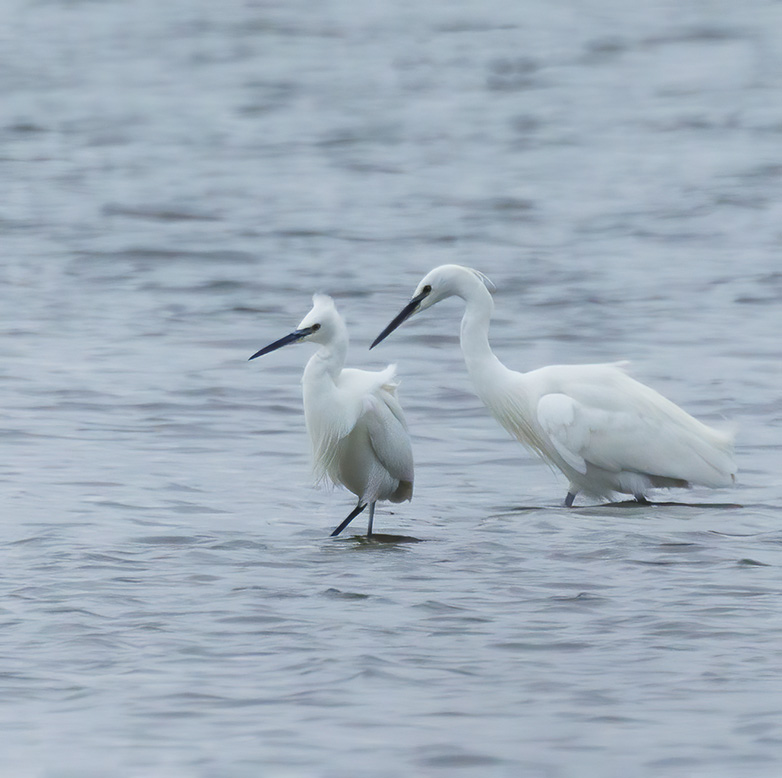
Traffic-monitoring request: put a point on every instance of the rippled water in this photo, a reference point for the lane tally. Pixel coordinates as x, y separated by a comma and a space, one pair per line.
178, 178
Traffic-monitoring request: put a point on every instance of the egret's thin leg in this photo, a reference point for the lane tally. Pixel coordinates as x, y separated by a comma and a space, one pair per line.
569, 499
371, 517
352, 515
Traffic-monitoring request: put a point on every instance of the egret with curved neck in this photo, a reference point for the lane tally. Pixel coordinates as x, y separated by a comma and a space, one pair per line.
355, 423
603, 429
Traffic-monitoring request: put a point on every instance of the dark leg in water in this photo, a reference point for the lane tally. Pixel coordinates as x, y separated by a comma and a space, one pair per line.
569, 499
371, 517
352, 515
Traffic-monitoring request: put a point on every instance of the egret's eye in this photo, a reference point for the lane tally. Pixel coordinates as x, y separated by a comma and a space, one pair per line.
426, 289
315, 327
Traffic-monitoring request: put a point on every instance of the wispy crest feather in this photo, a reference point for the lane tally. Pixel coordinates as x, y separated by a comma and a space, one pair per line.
487, 282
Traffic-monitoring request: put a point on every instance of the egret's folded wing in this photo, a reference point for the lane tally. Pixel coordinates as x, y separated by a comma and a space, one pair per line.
388, 435
647, 434
388, 394
559, 417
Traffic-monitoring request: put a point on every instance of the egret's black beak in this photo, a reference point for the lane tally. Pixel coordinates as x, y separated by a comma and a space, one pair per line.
295, 336
402, 316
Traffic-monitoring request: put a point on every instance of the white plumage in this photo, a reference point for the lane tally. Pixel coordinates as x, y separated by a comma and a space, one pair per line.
604, 430
355, 423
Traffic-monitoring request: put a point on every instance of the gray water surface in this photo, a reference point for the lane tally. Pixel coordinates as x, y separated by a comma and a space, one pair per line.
178, 178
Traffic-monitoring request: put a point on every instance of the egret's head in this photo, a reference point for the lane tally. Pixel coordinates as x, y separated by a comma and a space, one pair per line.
438, 284
321, 325
323, 322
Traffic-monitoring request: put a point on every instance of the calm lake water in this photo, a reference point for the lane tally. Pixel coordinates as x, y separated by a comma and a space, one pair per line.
178, 179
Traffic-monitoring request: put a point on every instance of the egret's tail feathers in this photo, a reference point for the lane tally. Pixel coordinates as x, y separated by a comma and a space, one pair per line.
404, 492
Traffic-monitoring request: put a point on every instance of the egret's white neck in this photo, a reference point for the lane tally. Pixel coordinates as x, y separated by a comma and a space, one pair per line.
491, 379
328, 360
474, 337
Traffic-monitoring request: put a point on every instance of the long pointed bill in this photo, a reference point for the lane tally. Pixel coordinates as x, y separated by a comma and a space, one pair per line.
295, 336
401, 317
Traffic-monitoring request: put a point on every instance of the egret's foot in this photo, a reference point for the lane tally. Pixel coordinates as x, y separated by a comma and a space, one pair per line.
641, 500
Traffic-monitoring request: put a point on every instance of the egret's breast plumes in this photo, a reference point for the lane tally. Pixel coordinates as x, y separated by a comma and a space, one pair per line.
358, 432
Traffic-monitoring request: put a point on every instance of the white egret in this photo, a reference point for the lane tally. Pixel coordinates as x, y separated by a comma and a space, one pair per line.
604, 430
355, 423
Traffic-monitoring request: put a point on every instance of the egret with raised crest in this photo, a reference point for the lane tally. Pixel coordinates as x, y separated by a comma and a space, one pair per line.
603, 429
355, 422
